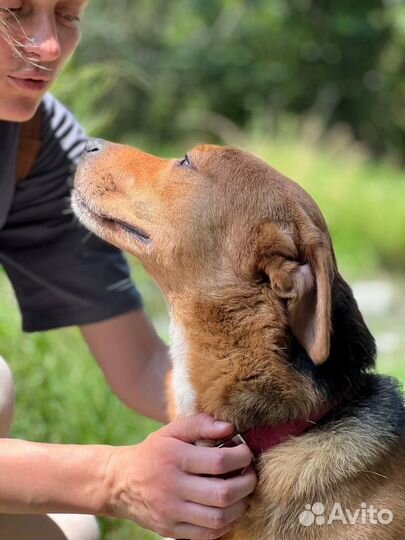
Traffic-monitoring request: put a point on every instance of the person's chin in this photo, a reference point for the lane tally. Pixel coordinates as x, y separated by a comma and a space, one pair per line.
19, 109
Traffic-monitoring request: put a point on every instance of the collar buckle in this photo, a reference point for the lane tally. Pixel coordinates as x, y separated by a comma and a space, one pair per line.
235, 440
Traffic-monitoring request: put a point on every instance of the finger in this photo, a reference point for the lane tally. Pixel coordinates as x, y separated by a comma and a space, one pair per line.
196, 427
215, 461
216, 492
192, 532
212, 518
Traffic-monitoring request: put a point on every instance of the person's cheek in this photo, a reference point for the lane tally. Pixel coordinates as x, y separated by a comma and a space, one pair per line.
6, 53
69, 41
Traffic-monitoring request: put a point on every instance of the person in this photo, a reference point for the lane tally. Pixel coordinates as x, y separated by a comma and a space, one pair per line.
62, 275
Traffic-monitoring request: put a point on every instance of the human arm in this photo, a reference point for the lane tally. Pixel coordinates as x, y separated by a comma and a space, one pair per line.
154, 483
37, 478
133, 359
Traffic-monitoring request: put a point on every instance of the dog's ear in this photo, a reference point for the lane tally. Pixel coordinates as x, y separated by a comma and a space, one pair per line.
304, 281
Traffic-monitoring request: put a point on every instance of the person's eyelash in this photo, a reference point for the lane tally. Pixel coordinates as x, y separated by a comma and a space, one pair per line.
10, 10
73, 18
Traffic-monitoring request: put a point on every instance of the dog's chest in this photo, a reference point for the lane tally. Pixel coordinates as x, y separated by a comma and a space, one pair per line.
184, 392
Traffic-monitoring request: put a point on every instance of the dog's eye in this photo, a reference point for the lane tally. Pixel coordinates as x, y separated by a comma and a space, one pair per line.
185, 162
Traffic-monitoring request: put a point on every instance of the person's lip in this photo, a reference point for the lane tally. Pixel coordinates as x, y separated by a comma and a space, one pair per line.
30, 81
32, 75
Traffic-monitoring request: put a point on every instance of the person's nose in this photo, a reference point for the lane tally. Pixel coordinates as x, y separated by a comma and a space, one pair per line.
43, 44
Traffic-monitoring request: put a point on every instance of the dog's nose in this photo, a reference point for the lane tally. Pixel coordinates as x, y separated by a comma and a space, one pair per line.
94, 145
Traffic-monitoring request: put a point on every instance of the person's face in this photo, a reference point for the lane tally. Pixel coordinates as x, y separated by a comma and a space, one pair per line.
44, 34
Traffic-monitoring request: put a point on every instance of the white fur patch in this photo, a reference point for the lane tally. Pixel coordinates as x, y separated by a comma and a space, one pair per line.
184, 393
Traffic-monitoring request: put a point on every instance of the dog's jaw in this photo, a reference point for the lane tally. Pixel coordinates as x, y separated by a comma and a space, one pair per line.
184, 393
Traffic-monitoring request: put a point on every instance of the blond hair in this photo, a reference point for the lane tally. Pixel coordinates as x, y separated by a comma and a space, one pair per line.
17, 40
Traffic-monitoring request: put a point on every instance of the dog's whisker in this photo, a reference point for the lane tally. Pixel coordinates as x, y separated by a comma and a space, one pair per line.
375, 473
120, 285
86, 237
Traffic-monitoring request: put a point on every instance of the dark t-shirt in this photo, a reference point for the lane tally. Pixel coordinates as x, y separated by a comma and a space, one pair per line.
62, 274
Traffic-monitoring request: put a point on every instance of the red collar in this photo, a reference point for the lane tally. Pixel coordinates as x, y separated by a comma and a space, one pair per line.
263, 438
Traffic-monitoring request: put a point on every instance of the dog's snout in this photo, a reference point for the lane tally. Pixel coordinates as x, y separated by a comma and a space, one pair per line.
94, 145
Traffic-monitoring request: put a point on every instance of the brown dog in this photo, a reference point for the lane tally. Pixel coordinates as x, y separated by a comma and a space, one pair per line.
265, 333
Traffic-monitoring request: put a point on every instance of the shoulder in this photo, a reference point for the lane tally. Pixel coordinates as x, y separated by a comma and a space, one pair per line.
60, 132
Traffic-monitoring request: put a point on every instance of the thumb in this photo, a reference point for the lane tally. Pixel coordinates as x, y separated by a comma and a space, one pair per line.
196, 427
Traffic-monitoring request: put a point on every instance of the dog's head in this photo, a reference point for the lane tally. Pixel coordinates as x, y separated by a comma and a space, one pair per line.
218, 217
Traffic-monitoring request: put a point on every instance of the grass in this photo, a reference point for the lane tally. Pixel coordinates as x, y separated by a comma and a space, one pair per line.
61, 395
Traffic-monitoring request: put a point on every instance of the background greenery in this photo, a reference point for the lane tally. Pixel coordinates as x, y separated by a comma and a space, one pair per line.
312, 87
180, 67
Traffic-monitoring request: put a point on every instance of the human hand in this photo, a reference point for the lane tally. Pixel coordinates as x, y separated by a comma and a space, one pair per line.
156, 483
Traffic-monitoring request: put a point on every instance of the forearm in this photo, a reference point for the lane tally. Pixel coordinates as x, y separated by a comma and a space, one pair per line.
148, 394
156, 483
39, 478
134, 361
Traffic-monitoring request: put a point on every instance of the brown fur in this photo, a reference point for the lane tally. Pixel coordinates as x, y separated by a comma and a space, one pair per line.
271, 329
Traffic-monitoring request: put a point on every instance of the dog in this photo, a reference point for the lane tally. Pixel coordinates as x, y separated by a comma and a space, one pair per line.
265, 333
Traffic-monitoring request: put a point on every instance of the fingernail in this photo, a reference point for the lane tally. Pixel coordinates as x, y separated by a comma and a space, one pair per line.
222, 425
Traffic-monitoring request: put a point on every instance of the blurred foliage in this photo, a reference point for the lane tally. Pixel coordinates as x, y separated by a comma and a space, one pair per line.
313, 87
154, 70
362, 200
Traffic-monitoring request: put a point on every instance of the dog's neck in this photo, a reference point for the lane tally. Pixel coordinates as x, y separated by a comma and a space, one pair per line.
263, 438
230, 360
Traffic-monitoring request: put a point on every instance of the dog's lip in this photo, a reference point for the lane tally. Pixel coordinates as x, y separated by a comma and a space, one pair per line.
134, 230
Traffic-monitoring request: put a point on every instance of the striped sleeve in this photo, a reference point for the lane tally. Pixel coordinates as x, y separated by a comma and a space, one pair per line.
62, 136
62, 274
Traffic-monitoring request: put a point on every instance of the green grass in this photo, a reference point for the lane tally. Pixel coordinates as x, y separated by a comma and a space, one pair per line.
61, 395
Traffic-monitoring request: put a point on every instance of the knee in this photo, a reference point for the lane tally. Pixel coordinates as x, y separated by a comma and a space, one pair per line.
7, 397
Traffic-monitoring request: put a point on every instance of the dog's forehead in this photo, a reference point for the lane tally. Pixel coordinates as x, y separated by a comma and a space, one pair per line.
233, 160
225, 154
240, 167
253, 179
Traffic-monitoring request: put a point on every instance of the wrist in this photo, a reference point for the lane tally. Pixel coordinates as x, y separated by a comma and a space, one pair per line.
108, 500
121, 486
102, 480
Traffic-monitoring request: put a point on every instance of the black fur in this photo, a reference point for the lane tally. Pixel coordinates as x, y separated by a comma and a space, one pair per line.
375, 400
352, 351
